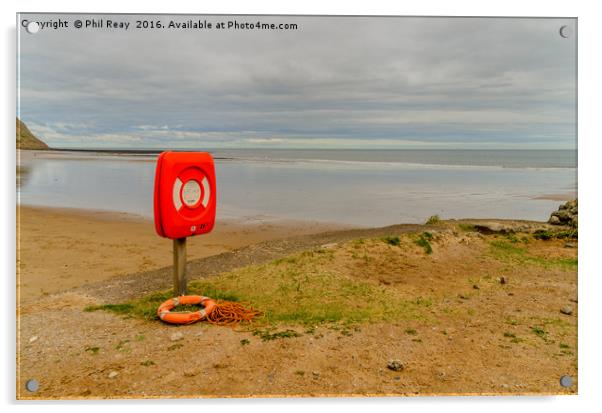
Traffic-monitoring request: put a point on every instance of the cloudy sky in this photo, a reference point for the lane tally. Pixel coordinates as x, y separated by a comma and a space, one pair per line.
362, 82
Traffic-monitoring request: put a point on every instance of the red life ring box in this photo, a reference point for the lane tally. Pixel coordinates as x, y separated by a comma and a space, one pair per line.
185, 198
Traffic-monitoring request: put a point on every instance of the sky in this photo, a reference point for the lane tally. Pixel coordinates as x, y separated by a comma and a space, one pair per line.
334, 82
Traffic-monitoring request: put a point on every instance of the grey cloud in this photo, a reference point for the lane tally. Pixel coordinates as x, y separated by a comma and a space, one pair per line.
431, 80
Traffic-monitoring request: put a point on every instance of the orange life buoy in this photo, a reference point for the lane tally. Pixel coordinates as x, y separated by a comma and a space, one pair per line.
165, 314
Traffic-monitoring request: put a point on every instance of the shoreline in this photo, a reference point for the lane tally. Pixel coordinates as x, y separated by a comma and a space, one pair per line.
59, 249
63, 248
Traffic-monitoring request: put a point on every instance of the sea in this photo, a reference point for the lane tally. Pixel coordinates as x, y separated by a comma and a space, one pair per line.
361, 188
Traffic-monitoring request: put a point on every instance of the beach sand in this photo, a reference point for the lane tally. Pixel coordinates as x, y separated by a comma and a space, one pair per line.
59, 249
567, 196
472, 334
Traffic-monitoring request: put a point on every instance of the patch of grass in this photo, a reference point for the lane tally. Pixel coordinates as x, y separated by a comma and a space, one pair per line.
113, 308
307, 289
433, 220
146, 307
570, 234
410, 331
425, 302
395, 241
267, 335
359, 241
423, 241
94, 350
564, 346
140, 337
300, 373
512, 238
511, 253
543, 234
245, 341
510, 335
547, 235
147, 363
467, 227
539, 332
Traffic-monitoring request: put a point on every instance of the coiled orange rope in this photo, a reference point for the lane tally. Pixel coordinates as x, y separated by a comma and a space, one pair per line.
227, 313
224, 313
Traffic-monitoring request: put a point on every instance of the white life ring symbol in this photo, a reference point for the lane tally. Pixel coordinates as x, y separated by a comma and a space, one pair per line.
191, 192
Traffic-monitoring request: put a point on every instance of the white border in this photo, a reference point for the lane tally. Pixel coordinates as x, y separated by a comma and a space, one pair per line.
590, 270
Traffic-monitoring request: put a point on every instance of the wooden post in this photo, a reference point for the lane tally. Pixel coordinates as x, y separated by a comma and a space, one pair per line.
179, 266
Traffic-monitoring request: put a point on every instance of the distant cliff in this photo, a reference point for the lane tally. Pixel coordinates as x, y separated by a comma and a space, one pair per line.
26, 139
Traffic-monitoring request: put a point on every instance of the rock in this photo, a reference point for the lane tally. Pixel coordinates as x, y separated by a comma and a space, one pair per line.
563, 216
33, 339
463, 296
503, 280
493, 228
176, 336
315, 374
570, 245
395, 365
113, 374
329, 245
567, 214
476, 287
568, 310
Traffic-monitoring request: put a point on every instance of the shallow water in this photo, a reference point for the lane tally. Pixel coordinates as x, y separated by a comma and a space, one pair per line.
341, 190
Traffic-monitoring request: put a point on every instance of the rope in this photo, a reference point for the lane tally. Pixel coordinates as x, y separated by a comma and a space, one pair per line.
228, 313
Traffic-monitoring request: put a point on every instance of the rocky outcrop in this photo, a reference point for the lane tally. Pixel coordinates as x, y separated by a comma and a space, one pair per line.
566, 214
26, 139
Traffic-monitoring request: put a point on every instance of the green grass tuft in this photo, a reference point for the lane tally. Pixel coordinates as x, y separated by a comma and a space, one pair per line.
94, 350
114, 308
423, 241
433, 220
543, 234
539, 332
147, 363
511, 253
395, 241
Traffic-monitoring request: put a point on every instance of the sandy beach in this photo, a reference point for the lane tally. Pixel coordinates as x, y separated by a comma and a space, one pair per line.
60, 249
479, 314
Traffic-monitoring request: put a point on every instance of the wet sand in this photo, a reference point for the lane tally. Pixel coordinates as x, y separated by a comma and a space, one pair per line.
568, 196
59, 249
